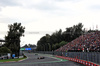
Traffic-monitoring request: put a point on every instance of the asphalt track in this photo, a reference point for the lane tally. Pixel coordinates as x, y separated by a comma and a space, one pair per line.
48, 61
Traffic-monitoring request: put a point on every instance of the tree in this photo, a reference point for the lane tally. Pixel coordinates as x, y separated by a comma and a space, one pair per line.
5, 50
28, 45
31, 45
13, 37
62, 43
50, 42
25, 46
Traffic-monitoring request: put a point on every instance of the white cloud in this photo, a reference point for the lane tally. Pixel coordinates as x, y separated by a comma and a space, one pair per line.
4, 3
45, 16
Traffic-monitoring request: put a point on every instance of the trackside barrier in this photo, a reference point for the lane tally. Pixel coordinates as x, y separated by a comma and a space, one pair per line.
91, 64
83, 62
87, 63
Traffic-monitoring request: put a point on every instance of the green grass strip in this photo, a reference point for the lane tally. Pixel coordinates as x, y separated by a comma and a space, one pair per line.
8, 60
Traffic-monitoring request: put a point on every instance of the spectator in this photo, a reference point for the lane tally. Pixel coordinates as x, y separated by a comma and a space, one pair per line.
86, 43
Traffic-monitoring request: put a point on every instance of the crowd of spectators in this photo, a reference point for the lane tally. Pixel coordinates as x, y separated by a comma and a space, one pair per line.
89, 42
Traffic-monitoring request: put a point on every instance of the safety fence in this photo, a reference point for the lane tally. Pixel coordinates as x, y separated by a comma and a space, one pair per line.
87, 56
10, 55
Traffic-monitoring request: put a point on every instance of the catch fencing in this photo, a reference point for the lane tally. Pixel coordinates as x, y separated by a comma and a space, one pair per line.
88, 56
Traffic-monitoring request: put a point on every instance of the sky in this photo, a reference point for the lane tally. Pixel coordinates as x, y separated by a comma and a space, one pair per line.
47, 16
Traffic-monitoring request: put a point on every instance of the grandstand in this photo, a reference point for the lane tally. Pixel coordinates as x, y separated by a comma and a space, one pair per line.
89, 42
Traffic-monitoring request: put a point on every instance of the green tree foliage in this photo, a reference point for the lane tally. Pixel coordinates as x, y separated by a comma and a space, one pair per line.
13, 37
73, 32
62, 43
59, 38
58, 45
89, 31
29, 45
25, 46
44, 43
5, 50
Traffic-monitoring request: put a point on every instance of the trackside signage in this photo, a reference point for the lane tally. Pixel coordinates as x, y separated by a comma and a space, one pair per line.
22, 48
25, 48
